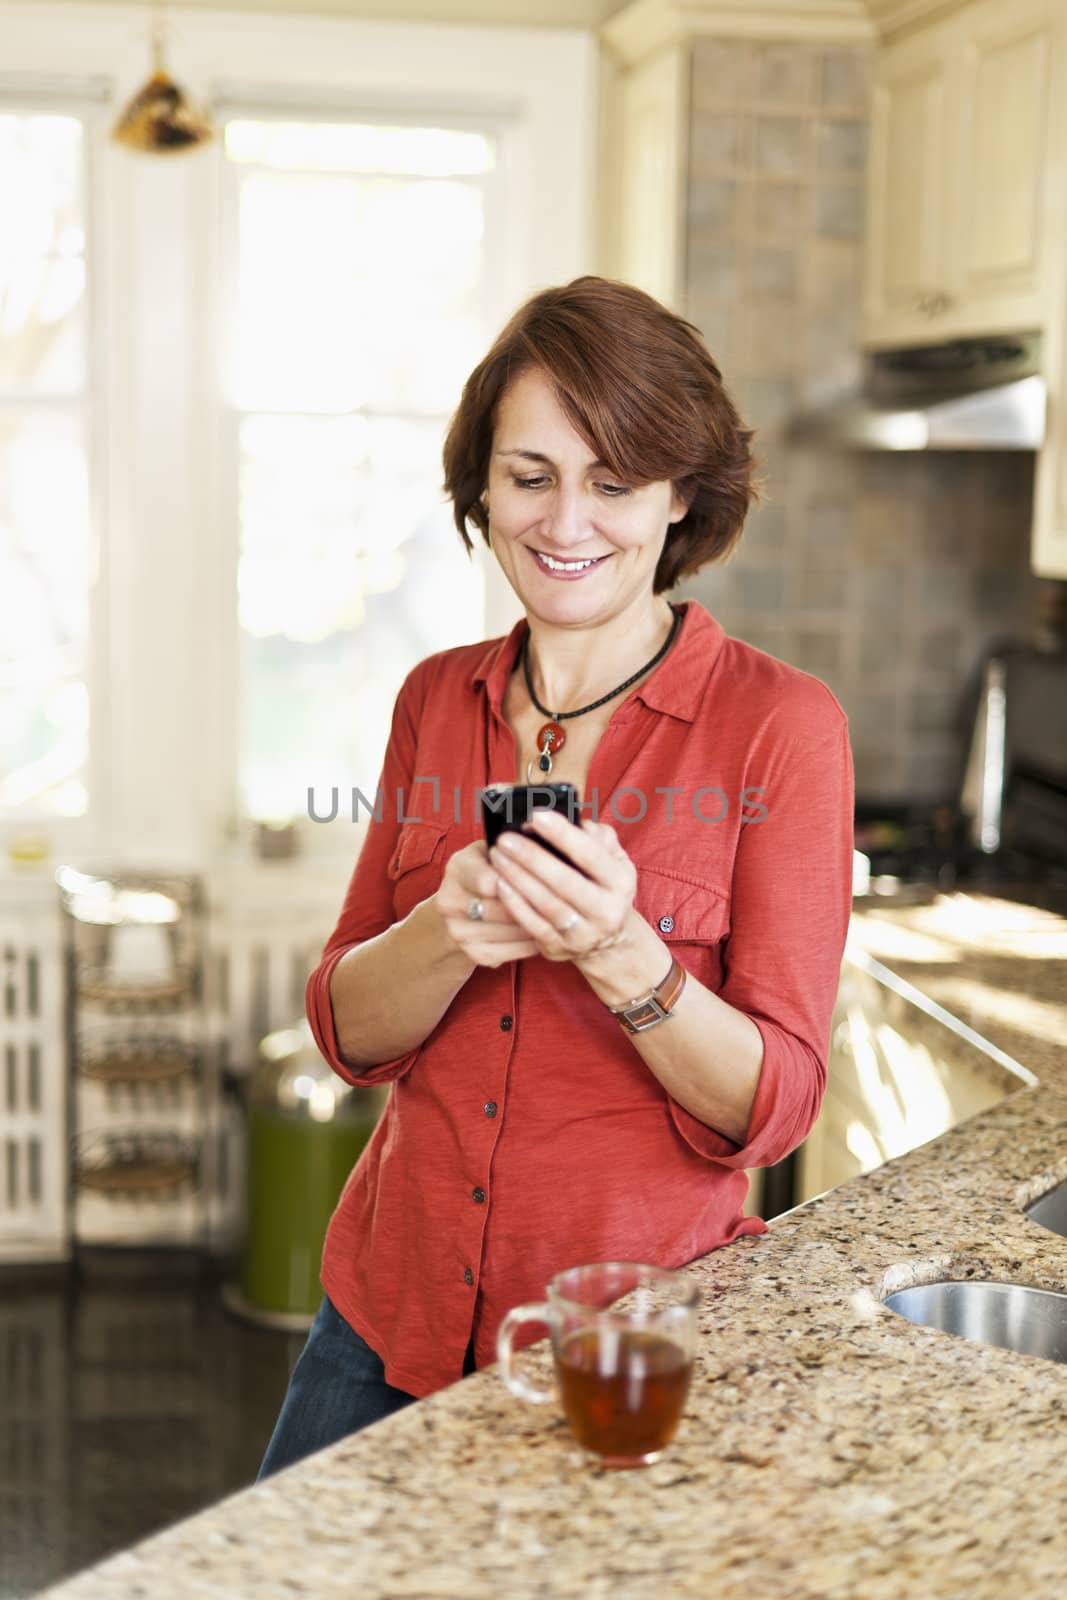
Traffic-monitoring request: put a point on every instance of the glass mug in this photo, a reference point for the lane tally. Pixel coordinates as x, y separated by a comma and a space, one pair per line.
623, 1344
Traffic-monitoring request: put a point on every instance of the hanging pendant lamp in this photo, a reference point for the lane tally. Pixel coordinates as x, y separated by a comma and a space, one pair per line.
162, 119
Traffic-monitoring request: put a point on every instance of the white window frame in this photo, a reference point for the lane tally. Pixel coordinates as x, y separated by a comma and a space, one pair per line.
164, 627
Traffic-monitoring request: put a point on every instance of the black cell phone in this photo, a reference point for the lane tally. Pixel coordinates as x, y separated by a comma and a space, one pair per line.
506, 806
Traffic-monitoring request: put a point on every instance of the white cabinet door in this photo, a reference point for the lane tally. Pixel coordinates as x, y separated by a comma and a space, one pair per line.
912, 117
962, 192
1000, 183
1049, 534
654, 111
1048, 546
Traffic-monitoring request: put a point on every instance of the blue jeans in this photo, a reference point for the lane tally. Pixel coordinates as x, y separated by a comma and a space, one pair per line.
336, 1388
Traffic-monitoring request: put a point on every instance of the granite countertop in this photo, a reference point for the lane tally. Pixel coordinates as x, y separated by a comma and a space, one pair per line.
830, 1449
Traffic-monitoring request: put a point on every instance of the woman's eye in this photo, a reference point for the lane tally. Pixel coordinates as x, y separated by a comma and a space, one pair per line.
611, 489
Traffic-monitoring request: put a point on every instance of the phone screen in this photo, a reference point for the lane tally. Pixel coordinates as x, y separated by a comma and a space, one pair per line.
507, 806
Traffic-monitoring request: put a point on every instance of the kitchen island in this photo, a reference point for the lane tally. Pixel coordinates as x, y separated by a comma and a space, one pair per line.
830, 1448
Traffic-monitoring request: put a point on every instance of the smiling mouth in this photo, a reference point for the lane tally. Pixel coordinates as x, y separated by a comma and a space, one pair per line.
554, 564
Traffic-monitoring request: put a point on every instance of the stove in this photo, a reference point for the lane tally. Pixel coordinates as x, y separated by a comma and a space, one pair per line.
931, 844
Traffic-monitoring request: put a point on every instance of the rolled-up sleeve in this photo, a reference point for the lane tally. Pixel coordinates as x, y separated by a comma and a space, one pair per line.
791, 901
368, 907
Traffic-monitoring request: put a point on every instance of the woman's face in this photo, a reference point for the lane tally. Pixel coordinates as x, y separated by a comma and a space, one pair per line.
548, 497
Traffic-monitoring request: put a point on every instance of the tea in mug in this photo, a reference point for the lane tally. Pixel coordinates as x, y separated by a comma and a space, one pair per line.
623, 1391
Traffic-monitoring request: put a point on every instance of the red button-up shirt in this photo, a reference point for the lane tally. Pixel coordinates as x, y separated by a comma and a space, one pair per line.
526, 1133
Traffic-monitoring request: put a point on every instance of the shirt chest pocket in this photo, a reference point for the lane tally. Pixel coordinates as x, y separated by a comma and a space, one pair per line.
690, 916
417, 864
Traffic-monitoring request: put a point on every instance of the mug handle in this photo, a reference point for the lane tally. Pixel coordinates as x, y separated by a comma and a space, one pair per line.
505, 1354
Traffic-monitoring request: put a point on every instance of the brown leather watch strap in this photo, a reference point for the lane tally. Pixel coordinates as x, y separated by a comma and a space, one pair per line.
656, 1005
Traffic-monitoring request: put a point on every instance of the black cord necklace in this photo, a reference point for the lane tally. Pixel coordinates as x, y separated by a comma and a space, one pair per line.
550, 736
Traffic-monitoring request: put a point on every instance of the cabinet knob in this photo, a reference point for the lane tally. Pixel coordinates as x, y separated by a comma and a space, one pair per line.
934, 304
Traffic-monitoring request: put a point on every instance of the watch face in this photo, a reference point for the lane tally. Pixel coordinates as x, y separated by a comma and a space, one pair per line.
645, 1015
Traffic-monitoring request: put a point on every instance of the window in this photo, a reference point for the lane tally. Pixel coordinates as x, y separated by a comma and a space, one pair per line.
45, 542
225, 378
356, 315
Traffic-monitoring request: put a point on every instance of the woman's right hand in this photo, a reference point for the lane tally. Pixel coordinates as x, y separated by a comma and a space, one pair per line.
497, 937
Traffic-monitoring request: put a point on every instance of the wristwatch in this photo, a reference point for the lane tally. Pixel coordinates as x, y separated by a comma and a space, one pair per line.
655, 1006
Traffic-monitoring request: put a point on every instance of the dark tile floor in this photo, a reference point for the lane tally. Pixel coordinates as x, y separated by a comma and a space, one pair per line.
128, 1399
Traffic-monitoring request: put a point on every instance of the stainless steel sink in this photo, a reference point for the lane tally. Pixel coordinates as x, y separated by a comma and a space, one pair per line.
1051, 1210
1032, 1322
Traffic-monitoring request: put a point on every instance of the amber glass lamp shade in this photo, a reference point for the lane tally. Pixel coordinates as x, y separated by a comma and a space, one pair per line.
162, 119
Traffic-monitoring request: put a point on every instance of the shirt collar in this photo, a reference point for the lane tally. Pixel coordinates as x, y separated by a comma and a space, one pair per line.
676, 685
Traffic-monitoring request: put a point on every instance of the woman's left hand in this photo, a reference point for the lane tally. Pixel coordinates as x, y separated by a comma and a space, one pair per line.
543, 894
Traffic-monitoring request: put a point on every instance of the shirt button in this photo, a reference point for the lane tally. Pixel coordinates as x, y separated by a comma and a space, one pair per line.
468, 1275
505, 1023
666, 924
478, 1194
490, 1108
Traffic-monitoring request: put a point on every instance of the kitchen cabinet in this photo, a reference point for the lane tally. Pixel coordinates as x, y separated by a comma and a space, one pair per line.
962, 197
966, 225
900, 1073
907, 242
1048, 552
650, 180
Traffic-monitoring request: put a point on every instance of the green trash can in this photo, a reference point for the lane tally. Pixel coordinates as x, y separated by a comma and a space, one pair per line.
306, 1130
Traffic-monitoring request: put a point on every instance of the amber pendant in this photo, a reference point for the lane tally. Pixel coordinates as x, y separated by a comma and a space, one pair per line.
550, 738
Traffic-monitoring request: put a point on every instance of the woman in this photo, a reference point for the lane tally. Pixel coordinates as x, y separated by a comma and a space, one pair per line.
532, 1124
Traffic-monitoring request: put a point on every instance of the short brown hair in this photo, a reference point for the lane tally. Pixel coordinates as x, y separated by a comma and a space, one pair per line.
639, 384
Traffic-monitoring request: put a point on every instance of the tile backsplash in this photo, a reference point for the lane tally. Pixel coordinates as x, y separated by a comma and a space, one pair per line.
886, 575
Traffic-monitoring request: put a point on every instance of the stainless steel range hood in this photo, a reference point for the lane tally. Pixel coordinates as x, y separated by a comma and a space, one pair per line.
972, 394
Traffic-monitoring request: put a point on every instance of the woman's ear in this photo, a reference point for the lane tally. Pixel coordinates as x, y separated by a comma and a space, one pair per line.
680, 503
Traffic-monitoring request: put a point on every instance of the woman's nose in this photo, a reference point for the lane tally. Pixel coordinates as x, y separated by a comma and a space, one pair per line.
567, 521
